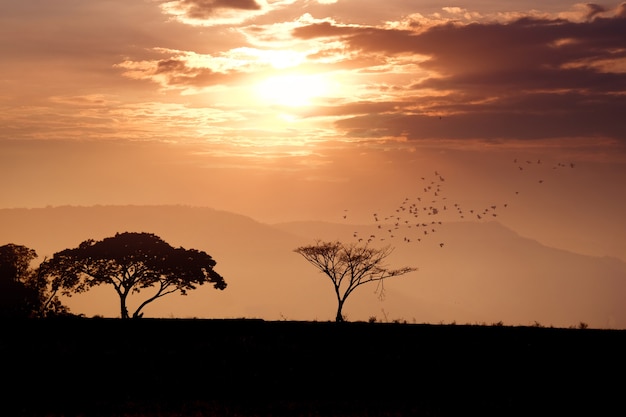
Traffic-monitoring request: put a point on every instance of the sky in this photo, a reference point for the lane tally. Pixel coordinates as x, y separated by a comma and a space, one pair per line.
332, 110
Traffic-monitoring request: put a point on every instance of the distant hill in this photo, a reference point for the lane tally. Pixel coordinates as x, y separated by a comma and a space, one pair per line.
469, 272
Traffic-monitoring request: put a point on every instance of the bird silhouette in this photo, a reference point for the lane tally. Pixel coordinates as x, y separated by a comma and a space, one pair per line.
429, 199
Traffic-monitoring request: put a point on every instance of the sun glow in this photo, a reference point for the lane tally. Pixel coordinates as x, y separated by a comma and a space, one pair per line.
293, 90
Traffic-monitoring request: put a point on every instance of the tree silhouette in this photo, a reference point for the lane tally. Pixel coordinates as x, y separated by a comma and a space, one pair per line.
16, 299
132, 262
24, 292
349, 266
15, 261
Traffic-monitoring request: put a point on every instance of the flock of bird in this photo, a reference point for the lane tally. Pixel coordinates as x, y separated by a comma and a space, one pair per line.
418, 218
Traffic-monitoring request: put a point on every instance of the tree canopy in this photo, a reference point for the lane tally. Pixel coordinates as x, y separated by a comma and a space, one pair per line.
349, 266
132, 263
24, 291
16, 299
15, 261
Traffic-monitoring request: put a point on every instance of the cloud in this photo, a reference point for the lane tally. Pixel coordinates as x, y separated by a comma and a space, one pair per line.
183, 70
538, 74
220, 12
205, 9
528, 78
539, 117
525, 77
594, 10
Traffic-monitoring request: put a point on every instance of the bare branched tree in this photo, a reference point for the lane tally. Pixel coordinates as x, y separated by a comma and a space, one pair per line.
349, 266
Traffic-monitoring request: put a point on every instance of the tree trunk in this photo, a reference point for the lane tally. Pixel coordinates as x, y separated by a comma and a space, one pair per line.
123, 309
339, 317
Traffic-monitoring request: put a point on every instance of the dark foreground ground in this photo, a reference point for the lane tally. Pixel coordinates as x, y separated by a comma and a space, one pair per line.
108, 367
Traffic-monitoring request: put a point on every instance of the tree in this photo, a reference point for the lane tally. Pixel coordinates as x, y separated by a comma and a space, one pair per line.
15, 261
350, 266
49, 304
132, 262
24, 292
16, 299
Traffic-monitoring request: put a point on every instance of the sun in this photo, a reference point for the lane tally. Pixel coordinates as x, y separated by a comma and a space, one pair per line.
293, 90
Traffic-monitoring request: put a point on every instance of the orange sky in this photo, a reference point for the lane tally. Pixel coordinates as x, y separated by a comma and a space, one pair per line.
301, 109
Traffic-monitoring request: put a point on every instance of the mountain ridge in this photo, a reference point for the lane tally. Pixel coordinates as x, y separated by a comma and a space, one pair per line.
483, 272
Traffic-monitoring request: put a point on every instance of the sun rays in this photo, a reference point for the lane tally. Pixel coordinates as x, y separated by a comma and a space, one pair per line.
293, 90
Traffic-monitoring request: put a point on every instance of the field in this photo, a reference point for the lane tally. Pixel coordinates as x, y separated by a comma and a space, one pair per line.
245, 367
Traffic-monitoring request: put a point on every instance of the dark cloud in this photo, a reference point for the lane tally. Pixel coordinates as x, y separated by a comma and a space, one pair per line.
203, 9
481, 47
351, 109
529, 78
538, 116
584, 80
326, 29
179, 74
168, 66
594, 10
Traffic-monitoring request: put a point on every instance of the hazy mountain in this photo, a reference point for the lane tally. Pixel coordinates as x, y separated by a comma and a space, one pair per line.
469, 272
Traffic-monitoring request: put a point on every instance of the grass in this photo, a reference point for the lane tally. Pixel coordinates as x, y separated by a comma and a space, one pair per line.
246, 368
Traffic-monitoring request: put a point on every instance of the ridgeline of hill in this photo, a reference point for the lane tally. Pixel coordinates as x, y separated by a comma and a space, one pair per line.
485, 273
174, 367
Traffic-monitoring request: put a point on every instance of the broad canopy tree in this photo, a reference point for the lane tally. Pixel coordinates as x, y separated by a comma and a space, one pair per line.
132, 262
349, 266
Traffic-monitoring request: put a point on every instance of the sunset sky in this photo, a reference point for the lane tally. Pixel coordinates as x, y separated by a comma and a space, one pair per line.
319, 109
